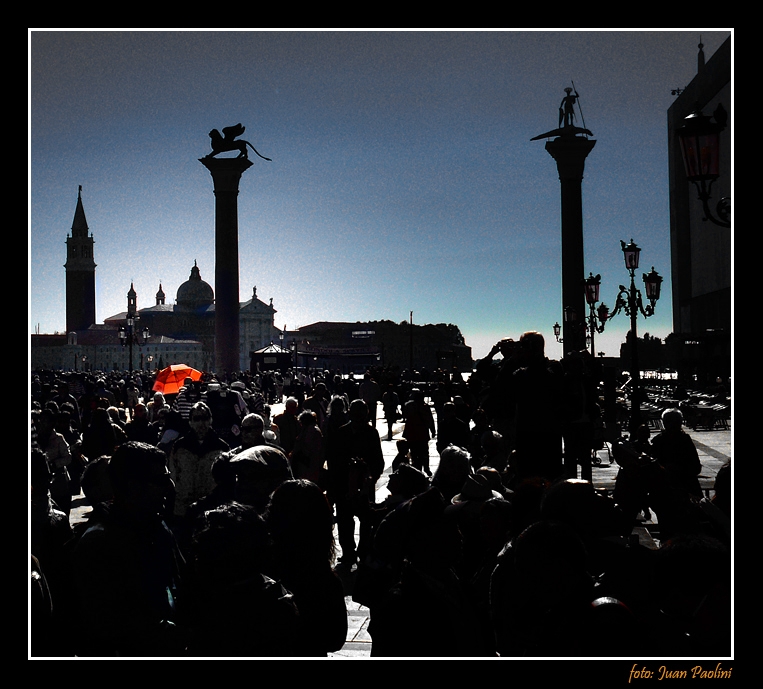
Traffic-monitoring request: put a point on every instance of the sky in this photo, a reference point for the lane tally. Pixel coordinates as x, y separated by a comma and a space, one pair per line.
403, 176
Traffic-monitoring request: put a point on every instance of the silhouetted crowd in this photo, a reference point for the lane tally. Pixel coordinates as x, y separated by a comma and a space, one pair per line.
220, 529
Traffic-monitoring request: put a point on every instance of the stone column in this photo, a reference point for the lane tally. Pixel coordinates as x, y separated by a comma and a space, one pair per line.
226, 173
570, 153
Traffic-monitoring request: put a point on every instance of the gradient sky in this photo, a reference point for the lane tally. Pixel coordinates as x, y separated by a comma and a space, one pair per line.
403, 175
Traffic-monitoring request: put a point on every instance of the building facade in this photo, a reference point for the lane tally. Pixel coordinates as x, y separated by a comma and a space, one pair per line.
352, 347
701, 250
192, 318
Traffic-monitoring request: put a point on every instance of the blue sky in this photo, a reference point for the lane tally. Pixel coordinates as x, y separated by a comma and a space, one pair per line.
402, 178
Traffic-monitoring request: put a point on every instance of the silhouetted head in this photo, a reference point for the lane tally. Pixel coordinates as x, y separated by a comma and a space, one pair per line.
259, 471
430, 536
337, 405
301, 522
407, 481
307, 418
200, 419
139, 478
358, 411
96, 481
231, 544
452, 471
672, 419
533, 345
253, 423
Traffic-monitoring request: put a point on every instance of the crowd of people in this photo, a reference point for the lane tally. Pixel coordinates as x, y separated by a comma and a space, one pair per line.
221, 529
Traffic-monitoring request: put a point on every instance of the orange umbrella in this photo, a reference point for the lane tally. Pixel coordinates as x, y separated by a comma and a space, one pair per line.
169, 380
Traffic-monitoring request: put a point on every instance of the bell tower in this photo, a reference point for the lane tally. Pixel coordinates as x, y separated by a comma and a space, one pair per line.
80, 273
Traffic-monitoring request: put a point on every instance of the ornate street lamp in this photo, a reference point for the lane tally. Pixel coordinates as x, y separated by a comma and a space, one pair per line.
123, 341
570, 322
630, 301
127, 336
700, 147
145, 334
596, 316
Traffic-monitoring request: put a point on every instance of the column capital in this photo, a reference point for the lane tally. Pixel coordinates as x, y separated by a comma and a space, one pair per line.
226, 172
570, 153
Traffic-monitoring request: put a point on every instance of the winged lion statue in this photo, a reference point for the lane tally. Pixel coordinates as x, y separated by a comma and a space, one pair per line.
227, 142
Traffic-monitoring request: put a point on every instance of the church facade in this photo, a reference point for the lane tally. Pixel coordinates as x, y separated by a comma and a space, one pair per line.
147, 338
192, 317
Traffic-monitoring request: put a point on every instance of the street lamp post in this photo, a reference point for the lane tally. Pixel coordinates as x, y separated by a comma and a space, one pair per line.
127, 337
410, 343
630, 301
596, 316
145, 334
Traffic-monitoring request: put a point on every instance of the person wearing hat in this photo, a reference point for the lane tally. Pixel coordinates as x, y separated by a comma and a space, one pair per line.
467, 508
476, 489
259, 471
239, 391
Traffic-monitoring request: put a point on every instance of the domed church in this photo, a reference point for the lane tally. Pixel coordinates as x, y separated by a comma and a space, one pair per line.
192, 317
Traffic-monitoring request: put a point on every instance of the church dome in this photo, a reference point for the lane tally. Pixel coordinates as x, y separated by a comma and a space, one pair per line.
194, 292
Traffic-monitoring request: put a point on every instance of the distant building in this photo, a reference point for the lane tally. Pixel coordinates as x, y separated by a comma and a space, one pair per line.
99, 349
184, 331
355, 346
